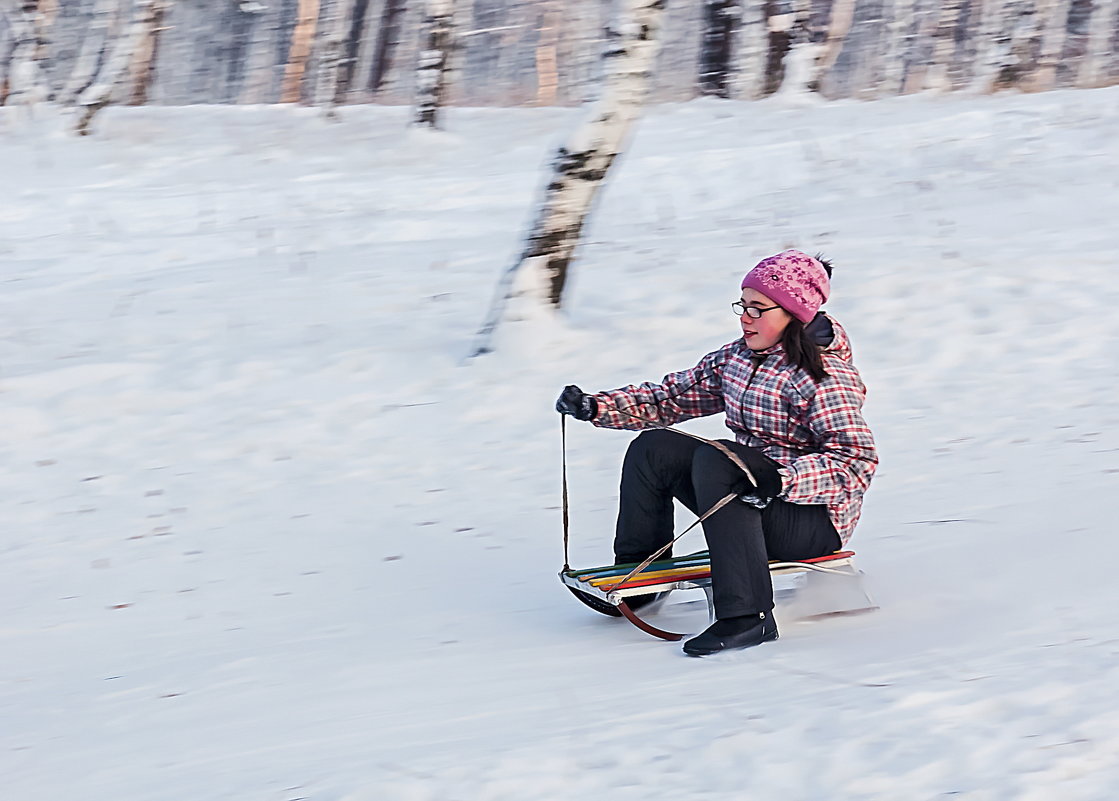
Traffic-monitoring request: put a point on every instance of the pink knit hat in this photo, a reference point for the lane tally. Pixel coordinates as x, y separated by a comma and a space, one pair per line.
794, 280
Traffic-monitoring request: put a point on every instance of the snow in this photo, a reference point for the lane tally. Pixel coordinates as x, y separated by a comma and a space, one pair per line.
268, 535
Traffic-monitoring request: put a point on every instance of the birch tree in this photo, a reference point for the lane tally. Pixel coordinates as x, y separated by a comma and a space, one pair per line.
388, 37
580, 166
333, 26
113, 77
935, 44
26, 84
1101, 29
95, 44
720, 19
839, 25
1052, 30
301, 39
256, 86
750, 49
351, 44
1014, 39
547, 67
141, 69
437, 39
897, 46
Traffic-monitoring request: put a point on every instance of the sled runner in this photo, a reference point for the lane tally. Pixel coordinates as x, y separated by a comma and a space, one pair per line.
605, 589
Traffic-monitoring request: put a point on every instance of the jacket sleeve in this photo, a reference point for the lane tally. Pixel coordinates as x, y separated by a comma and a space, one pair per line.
846, 457
697, 392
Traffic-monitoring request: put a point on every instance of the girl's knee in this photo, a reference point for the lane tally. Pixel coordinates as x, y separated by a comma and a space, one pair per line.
649, 441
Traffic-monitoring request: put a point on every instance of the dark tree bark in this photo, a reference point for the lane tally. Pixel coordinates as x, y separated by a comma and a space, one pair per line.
388, 36
720, 20
580, 167
437, 41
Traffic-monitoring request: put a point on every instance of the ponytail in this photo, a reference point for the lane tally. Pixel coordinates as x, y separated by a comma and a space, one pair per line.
802, 352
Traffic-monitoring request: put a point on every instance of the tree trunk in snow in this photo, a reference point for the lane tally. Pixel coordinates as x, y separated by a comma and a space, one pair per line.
898, 37
581, 164
351, 45
437, 39
547, 69
26, 85
720, 20
787, 23
333, 26
95, 43
839, 25
113, 76
259, 57
1101, 28
388, 36
938, 75
146, 50
1015, 54
301, 38
1053, 28
751, 40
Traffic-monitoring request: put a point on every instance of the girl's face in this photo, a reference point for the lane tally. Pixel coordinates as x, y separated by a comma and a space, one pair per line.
766, 331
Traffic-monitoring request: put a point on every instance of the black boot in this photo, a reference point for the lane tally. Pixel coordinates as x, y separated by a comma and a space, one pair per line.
733, 633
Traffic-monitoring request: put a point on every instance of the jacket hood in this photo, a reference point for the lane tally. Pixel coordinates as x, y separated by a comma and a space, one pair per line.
837, 343
825, 332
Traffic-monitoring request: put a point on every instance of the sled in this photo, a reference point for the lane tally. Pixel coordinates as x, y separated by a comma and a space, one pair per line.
603, 588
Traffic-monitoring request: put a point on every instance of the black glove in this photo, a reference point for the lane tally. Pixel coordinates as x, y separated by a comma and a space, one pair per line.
578, 404
765, 471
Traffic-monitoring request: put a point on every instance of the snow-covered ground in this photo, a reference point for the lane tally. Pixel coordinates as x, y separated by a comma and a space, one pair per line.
265, 536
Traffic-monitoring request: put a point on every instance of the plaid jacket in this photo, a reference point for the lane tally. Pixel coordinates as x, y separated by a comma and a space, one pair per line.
815, 432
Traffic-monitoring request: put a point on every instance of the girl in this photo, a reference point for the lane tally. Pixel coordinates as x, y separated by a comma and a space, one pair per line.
793, 399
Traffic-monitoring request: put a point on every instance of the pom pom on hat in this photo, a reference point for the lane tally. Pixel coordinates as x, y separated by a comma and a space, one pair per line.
792, 279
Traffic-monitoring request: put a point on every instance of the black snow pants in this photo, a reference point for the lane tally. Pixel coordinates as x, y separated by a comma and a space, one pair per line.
662, 465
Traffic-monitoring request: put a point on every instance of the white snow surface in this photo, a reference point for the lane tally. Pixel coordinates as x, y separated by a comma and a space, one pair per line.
266, 535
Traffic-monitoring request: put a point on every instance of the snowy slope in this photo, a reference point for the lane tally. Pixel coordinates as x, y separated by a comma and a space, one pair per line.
266, 536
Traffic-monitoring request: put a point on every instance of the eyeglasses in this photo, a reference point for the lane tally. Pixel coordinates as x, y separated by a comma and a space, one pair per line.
753, 312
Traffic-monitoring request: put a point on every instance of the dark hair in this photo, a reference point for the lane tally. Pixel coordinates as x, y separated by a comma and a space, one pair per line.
800, 349
802, 352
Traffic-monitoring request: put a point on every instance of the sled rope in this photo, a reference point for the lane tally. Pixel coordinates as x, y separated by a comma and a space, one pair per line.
734, 457
566, 514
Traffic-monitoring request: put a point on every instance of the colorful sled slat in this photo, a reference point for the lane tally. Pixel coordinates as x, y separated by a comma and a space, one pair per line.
695, 569
701, 558
686, 572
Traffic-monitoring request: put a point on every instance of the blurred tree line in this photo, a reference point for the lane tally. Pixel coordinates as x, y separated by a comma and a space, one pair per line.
541, 52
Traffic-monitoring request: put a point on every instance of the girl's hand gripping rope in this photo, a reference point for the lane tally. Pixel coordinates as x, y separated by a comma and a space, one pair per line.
578, 404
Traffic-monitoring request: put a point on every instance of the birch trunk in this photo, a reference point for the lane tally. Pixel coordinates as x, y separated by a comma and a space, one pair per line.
547, 66
989, 46
938, 76
839, 25
897, 47
95, 43
351, 44
580, 166
146, 50
436, 41
1101, 28
114, 74
720, 19
788, 25
333, 26
388, 37
1053, 28
751, 46
1016, 56
301, 38
259, 58
25, 75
